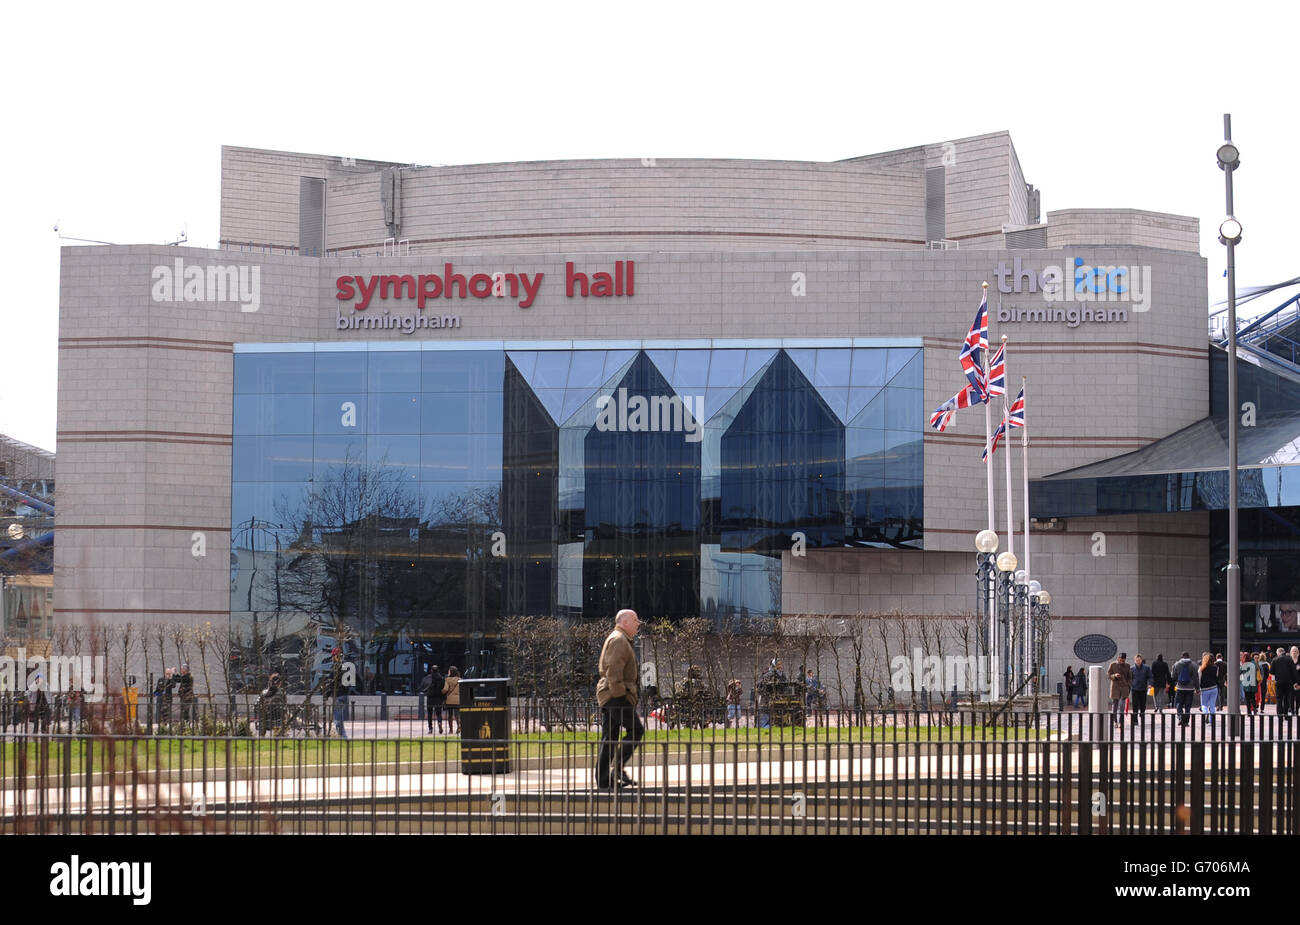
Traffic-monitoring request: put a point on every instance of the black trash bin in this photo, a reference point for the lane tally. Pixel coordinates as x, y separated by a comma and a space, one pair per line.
484, 725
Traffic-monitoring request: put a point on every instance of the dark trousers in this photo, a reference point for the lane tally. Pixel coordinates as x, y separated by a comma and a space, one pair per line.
618, 714
1138, 701
432, 708
1250, 699
1183, 701
1283, 699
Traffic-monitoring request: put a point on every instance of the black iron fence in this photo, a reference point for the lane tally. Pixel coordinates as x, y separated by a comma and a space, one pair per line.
895, 773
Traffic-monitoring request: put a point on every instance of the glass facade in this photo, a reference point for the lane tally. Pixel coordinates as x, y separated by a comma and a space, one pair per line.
421, 492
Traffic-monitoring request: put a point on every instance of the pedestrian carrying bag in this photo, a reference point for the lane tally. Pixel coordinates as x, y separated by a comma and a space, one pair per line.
1185, 675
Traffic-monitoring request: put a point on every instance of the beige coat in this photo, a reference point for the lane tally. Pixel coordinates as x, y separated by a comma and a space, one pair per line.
618, 672
451, 687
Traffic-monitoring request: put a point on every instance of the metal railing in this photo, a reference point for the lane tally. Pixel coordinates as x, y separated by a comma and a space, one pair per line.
914, 773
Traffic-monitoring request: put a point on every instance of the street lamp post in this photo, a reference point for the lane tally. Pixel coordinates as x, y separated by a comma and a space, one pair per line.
1230, 235
986, 544
1006, 563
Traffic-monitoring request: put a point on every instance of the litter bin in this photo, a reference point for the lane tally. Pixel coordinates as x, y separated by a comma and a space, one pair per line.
484, 725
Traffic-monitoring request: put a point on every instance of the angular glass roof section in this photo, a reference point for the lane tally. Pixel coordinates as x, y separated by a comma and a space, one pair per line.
850, 376
1186, 471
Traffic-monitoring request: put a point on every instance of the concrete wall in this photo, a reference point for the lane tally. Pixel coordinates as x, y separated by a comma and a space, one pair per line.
1069, 227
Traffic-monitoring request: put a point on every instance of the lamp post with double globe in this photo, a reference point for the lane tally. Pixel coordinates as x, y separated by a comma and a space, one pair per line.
986, 545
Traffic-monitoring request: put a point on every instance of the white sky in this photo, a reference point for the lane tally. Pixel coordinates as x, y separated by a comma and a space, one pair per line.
115, 119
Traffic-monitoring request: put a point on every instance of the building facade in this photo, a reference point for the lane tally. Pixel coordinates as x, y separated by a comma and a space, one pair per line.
422, 399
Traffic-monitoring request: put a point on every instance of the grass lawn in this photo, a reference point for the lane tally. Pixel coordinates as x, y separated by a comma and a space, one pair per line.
272, 756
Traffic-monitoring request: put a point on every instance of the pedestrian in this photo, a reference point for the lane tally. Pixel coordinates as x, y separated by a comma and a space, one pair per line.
1209, 686
1160, 681
1120, 673
1069, 683
339, 685
1221, 671
616, 692
1081, 687
1249, 672
431, 687
1141, 681
1265, 676
812, 692
1284, 680
451, 693
1186, 680
38, 703
735, 691
162, 694
185, 693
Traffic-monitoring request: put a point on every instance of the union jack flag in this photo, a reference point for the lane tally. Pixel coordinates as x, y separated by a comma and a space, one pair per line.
992, 446
972, 350
1016, 415
943, 414
998, 372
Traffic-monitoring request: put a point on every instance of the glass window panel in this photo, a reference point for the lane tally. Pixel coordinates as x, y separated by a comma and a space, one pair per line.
331, 411
873, 415
727, 368
273, 414
838, 399
274, 372
342, 371
586, 368
615, 360
395, 452
452, 502
525, 361
898, 358
859, 398
245, 452
665, 361
285, 459
912, 375
552, 370
755, 360
574, 399
462, 370
692, 370
806, 359
394, 413
833, 367
394, 371
458, 457
869, 366
446, 413
553, 401
334, 455
903, 409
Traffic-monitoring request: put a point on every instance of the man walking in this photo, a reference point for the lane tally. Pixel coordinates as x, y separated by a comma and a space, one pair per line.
616, 692
1138, 694
1284, 680
1186, 680
1249, 682
1120, 673
1160, 681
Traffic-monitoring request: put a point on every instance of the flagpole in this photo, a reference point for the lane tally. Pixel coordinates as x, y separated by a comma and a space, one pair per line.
988, 429
1011, 532
1029, 603
995, 644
